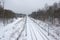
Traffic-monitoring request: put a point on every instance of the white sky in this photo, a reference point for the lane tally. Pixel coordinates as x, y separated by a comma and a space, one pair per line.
27, 6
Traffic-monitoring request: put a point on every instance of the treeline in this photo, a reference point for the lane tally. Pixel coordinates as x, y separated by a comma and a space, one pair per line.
7, 14
49, 13
20, 15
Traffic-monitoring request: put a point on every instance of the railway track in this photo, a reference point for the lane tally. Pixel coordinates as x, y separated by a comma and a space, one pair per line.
45, 31
34, 28
19, 30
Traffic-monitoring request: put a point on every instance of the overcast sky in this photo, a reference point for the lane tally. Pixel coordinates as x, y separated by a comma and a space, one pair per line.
27, 6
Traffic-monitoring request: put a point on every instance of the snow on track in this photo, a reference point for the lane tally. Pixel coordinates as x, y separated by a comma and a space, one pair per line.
33, 32
44, 28
37, 32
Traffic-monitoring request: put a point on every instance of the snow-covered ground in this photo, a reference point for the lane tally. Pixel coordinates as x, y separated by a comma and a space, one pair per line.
7, 32
28, 29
